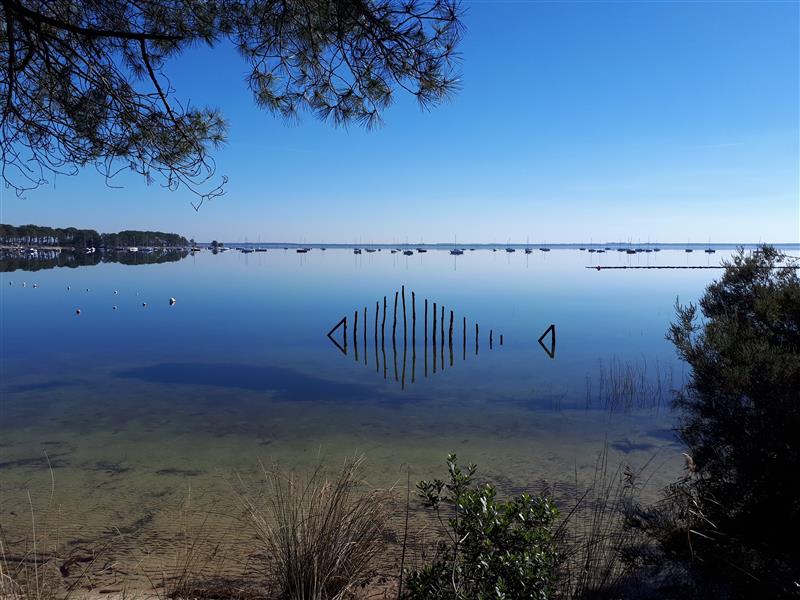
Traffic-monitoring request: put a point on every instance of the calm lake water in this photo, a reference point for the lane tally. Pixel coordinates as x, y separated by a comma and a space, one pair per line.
133, 407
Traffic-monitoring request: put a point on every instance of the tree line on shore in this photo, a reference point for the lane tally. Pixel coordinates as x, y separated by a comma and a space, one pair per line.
38, 235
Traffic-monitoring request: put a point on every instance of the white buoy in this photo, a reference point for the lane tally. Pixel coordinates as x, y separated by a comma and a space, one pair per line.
116, 292
87, 289
77, 312
67, 288
23, 284
172, 301
35, 285
144, 304
114, 307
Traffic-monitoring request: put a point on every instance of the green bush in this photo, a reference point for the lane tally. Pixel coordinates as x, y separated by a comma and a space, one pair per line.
495, 549
738, 506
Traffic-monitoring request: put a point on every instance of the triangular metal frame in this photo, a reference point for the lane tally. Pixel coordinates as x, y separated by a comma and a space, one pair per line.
331, 338
551, 352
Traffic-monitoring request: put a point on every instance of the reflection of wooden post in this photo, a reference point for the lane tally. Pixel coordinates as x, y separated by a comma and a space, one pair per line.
476, 338
501, 339
403, 380
383, 322
465, 339
413, 362
377, 310
394, 322
365, 335
394, 356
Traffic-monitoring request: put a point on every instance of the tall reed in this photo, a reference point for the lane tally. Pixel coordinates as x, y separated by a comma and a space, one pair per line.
321, 532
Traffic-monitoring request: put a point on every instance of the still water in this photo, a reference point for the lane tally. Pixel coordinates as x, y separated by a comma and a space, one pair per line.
133, 406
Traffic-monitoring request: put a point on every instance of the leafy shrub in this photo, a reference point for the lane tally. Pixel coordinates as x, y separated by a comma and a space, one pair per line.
737, 507
495, 549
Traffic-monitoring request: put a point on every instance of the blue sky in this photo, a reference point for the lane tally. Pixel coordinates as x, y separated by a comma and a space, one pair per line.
672, 121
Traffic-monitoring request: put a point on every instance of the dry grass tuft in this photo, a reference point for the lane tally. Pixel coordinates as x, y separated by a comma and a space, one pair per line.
595, 538
322, 532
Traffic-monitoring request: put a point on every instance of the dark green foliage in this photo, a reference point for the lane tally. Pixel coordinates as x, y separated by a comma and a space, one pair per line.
496, 549
84, 83
739, 507
37, 235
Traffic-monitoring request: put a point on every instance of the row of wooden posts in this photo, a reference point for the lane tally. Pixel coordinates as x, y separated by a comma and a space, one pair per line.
439, 320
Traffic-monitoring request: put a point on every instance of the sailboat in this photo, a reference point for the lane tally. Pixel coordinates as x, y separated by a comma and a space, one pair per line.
456, 251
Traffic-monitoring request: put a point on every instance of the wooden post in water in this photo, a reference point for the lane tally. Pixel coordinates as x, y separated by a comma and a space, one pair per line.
491, 334
405, 329
476, 338
426, 338
426, 322
450, 337
355, 333
394, 321
501, 339
413, 321
365, 335
442, 350
465, 339
434, 337
383, 322
377, 311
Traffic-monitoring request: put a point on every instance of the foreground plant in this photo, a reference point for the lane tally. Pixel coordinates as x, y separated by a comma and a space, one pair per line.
495, 549
736, 514
322, 533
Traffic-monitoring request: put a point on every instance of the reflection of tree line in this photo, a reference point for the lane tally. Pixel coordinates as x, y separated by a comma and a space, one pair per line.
14, 261
440, 353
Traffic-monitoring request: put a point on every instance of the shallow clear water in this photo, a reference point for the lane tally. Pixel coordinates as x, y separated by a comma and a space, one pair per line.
133, 406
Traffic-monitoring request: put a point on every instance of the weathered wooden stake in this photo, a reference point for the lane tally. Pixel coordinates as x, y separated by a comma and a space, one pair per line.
426, 322
465, 339
405, 329
434, 337
450, 337
383, 322
355, 333
501, 339
491, 334
413, 323
365, 335
476, 338
394, 321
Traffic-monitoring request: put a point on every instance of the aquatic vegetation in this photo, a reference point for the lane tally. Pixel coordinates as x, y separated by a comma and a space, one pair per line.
628, 385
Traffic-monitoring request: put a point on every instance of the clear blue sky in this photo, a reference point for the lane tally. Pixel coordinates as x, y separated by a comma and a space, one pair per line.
577, 120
